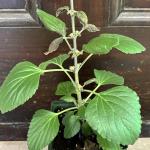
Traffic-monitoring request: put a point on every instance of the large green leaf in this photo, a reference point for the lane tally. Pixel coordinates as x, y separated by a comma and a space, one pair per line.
107, 145
43, 129
72, 126
59, 60
51, 22
106, 77
20, 85
105, 42
127, 45
100, 45
115, 115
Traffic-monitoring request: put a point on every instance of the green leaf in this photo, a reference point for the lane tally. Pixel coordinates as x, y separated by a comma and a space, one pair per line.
81, 15
115, 115
72, 126
100, 45
51, 22
68, 98
127, 45
59, 60
54, 45
43, 129
105, 42
86, 129
20, 85
61, 10
107, 145
67, 116
65, 88
106, 77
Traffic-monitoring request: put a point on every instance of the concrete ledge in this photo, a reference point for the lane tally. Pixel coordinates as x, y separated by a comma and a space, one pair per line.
141, 144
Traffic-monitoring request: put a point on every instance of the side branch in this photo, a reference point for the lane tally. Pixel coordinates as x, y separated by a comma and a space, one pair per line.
86, 59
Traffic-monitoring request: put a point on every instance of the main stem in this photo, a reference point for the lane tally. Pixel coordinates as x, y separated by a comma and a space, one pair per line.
76, 72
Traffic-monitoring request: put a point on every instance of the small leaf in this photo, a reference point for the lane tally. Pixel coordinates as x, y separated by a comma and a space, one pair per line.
127, 45
59, 60
81, 15
106, 77
115, 115
19, 86
92, 28
86, 129
100, 45
65, 88
51, 22
72, 126
107, 145
62, 10
67, 116
54, 45
68, 98
43, 129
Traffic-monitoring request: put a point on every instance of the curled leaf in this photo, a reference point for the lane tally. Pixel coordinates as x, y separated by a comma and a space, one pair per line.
92, 28
54, 45
81, 15
62, 10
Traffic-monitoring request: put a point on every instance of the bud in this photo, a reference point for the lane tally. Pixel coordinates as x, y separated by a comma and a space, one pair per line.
72, 68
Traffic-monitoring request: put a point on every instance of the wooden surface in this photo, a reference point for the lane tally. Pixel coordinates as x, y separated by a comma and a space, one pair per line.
22, 41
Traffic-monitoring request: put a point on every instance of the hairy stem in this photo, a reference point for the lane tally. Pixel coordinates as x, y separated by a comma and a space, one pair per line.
66, 40
69, 76
56, 70
86, 59
92, 92
76, 72
89, 91
66, 110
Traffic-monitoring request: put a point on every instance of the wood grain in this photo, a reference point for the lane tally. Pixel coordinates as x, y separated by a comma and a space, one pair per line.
29, 43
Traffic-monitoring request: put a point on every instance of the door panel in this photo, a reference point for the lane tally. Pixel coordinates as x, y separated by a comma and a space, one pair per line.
13, 4
137, 3
24, 39
13, 14
122, 15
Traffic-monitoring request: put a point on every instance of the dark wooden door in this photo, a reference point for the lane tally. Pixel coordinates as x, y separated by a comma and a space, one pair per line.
22, 38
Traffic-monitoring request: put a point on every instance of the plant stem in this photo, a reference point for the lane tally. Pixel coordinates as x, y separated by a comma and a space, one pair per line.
69, 76
76, 72
89, 91
92, 92
86, 59
66, 40
56, 70
68, 109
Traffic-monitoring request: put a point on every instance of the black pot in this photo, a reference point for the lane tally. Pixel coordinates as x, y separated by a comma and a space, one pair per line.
79, 142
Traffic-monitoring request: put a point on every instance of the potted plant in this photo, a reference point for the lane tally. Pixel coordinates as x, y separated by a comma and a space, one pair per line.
105, 119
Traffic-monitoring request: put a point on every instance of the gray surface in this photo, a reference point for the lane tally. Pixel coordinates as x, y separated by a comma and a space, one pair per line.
141, 144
